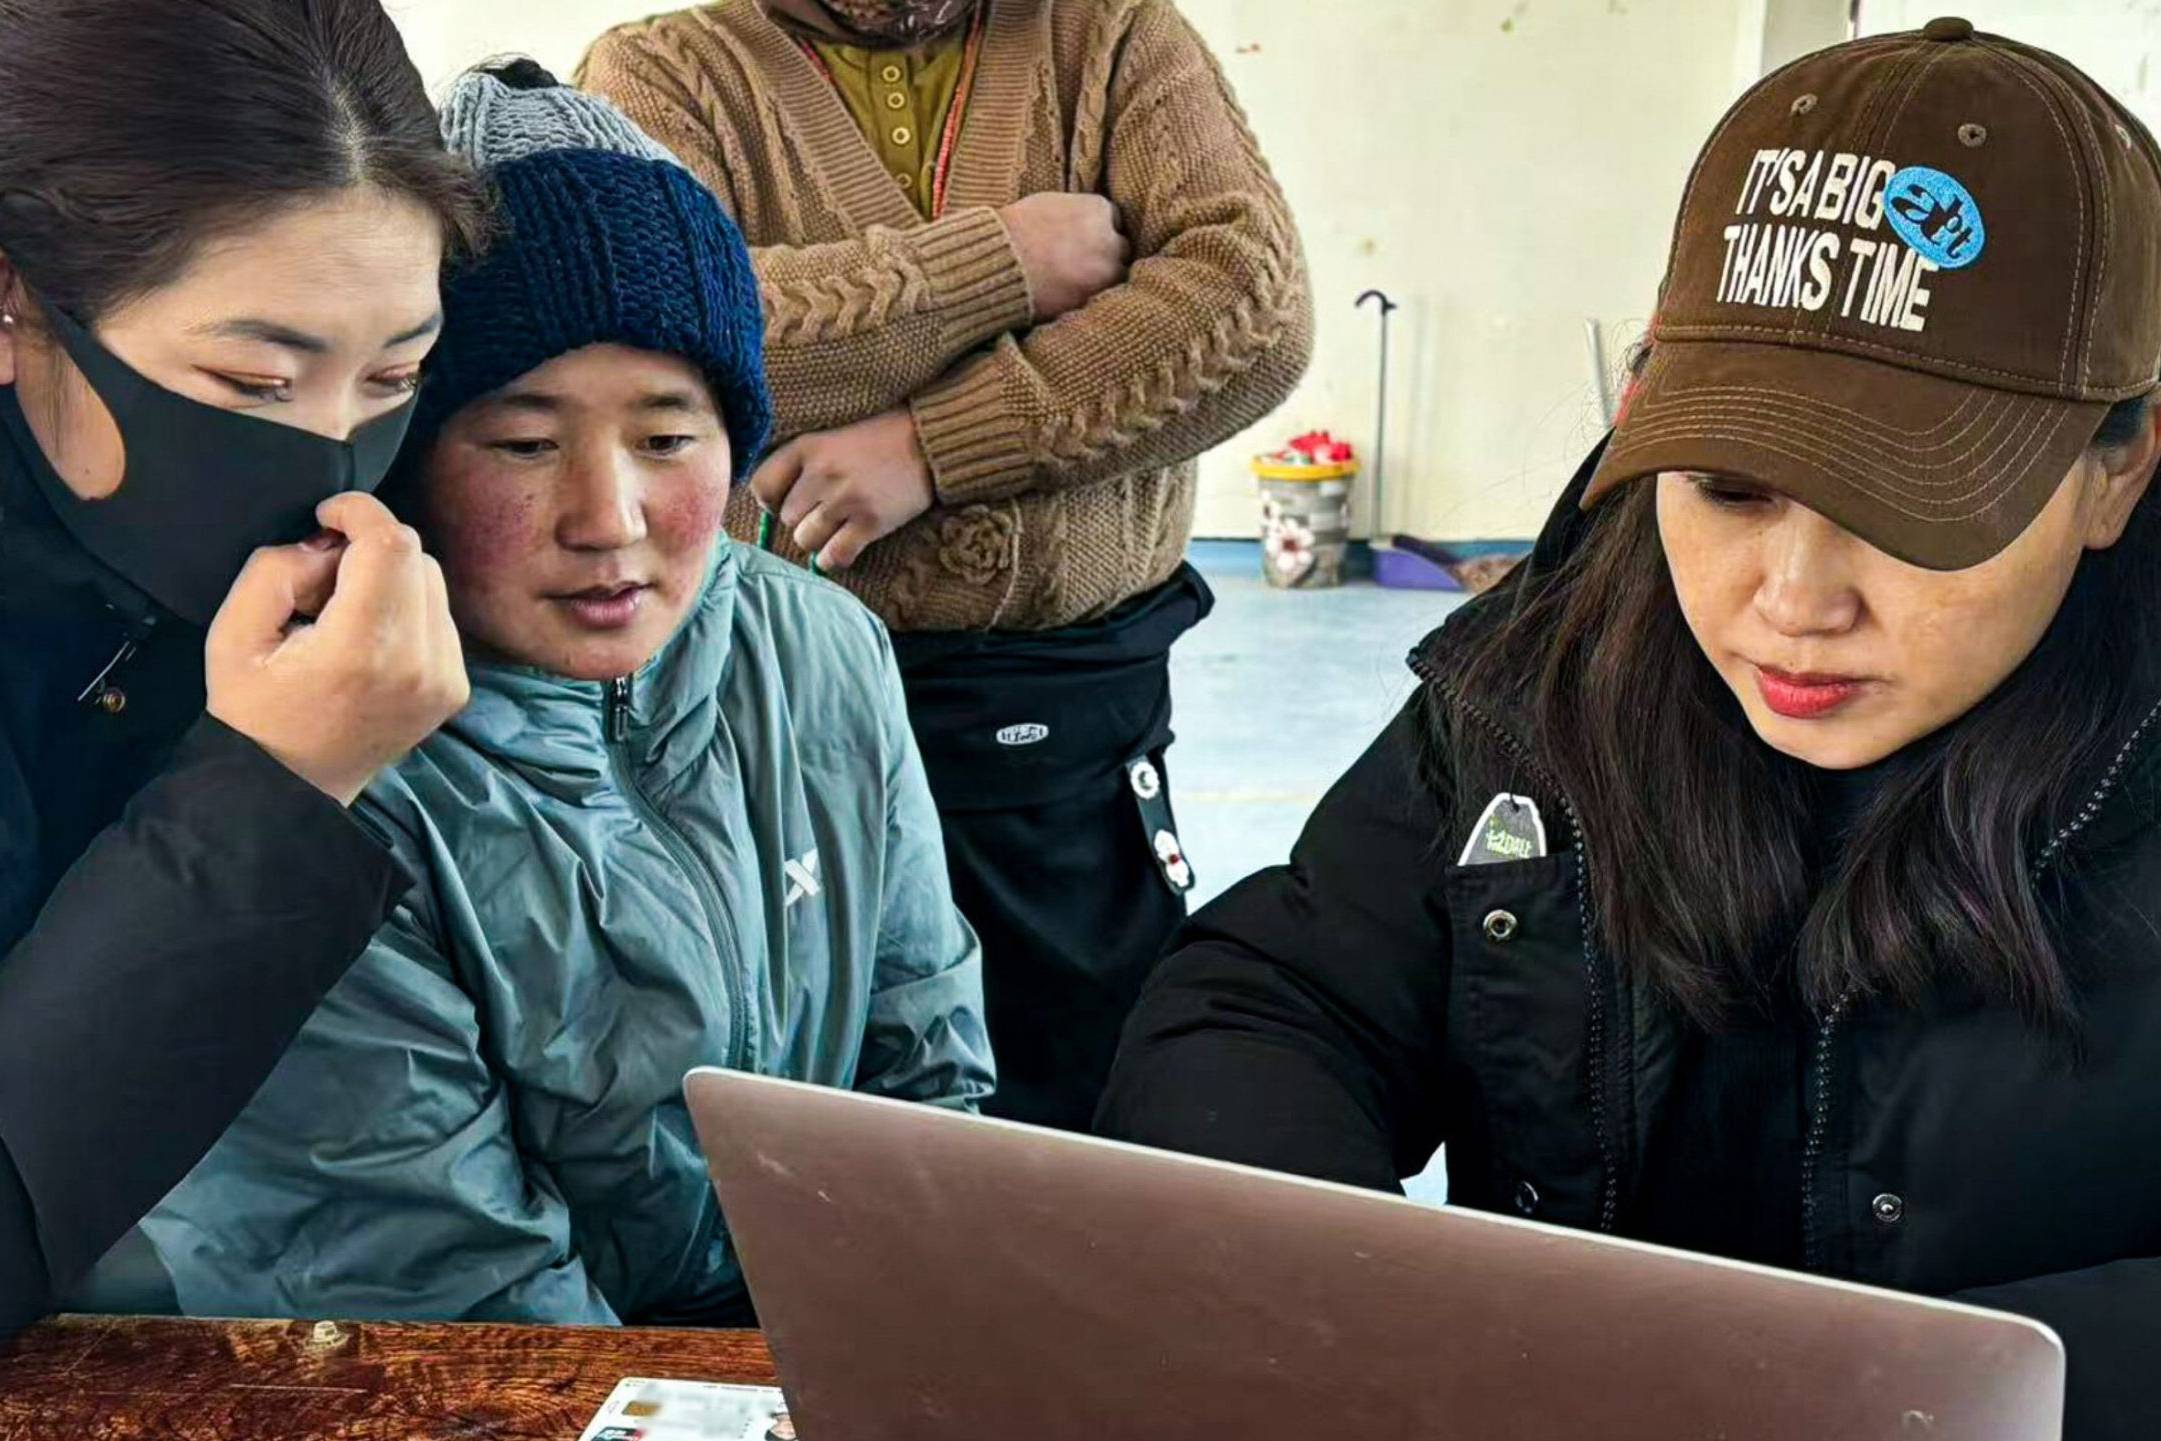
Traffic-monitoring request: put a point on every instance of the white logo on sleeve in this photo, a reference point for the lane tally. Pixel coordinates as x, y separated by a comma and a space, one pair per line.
802, 878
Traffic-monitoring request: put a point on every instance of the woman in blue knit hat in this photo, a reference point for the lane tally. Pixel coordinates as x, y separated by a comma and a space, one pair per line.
682, 822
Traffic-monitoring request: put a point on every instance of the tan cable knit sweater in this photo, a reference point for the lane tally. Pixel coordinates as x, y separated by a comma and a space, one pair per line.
1062, 453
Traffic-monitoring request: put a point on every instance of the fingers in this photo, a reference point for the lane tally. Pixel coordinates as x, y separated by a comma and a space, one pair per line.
1108, 216
354, 513
808, 493
327, 547
847, 545
816, 530
436, 601
378, 577
381, 584
446, 652
279, 584
777, 474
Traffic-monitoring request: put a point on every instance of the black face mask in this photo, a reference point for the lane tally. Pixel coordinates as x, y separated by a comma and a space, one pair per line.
203, 487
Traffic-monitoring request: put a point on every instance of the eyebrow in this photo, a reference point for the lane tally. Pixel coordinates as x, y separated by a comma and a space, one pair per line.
670, 400
270, 332
419, 332
542, 402
539, 402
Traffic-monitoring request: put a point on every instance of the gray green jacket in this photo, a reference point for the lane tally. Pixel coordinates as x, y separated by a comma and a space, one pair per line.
729, 859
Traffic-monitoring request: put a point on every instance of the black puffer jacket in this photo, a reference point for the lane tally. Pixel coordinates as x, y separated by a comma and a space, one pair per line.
173, 904
1344, 1015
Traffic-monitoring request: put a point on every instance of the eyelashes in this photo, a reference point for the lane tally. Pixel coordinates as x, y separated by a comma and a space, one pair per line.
260, 392
522, 449
660, 447
264, 391
1726, 494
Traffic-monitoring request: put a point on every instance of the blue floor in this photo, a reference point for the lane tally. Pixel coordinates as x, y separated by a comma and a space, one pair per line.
1276, 694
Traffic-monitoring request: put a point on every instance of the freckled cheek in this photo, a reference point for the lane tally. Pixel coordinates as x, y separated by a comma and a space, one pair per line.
684, 517
486, 536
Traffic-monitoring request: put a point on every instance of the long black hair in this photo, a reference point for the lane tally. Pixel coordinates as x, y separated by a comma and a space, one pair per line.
1705, 874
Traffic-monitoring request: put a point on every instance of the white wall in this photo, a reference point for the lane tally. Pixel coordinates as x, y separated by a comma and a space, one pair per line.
445, 36
1503, 168
2117, 42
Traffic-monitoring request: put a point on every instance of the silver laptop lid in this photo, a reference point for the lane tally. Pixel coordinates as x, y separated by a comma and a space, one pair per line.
927, 1276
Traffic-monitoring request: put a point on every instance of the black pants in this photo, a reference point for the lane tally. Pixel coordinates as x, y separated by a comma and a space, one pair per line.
1046, 757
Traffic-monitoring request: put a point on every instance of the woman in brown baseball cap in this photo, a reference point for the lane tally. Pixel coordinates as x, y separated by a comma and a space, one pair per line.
1769, 867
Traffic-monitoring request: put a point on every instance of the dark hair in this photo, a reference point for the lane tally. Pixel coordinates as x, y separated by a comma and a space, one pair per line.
2125, 420
519, 72
1706, 876
132, 131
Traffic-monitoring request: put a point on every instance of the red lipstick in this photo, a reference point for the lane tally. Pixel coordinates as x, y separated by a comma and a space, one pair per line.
1805, 697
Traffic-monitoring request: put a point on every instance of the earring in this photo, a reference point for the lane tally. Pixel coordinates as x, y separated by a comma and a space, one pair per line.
6, 319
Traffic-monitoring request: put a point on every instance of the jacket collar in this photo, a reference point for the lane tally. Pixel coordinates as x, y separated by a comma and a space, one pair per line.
2125, 799
44, 571
65, 618
548, 724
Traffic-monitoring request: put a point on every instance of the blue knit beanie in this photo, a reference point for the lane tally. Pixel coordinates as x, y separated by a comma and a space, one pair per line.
593, 247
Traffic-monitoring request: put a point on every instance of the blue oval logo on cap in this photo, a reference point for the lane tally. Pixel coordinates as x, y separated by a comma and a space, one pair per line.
1935, 215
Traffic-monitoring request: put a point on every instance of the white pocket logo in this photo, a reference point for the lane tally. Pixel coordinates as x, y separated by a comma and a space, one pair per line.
1023, 735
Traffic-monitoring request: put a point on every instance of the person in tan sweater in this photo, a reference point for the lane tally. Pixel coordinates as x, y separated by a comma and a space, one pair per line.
1021, 262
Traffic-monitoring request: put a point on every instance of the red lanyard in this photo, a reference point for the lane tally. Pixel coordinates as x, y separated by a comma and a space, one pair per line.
955, 113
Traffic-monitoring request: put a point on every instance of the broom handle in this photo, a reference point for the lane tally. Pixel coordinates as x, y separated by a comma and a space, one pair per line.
1380, 426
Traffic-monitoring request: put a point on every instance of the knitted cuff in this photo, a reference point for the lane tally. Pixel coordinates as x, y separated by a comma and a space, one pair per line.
976, 275
977, 445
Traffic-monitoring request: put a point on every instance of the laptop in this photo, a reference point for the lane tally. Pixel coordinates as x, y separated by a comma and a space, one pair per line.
929, 1276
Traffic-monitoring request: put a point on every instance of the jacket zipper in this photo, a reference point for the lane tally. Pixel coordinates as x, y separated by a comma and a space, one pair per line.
615, 724
1595, 1022
1819, 1119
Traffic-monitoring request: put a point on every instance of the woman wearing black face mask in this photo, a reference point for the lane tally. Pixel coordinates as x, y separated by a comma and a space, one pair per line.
220, 228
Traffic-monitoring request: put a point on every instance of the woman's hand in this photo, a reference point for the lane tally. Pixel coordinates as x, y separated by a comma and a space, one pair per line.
338, 655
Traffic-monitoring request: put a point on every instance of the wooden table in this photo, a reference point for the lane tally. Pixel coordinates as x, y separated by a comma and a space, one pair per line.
117, 1379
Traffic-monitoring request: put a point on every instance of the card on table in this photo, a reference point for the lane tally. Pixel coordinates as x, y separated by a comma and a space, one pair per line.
646, 1409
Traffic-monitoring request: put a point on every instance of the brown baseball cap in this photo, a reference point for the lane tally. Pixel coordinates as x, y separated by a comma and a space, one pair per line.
1909, 277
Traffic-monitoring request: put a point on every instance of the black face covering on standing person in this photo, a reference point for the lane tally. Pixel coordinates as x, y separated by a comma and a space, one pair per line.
203, 487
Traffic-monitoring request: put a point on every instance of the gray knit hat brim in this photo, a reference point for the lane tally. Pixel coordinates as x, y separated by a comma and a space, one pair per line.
491, 123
